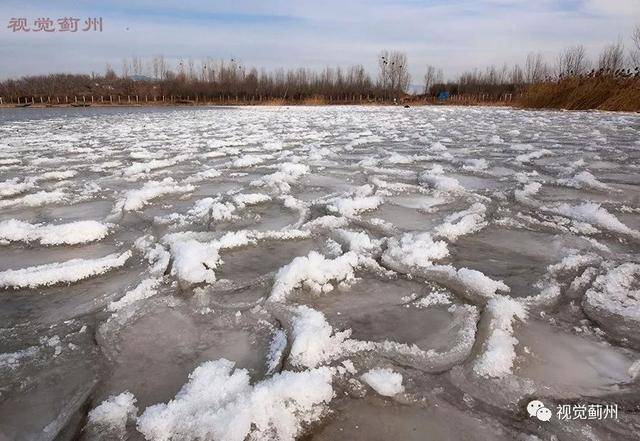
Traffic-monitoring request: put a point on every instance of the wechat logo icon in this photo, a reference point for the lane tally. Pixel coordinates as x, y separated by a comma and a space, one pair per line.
536, 409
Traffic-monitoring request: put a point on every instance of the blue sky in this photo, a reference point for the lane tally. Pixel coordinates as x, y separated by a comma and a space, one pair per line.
454, 35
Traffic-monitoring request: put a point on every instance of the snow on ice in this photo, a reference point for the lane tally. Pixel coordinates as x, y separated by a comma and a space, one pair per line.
384, 381
295, 262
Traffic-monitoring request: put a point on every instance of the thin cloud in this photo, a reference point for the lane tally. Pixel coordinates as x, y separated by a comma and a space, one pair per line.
454, 35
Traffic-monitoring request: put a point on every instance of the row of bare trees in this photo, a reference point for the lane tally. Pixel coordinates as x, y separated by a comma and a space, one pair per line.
572, 63
208, 78
211, 79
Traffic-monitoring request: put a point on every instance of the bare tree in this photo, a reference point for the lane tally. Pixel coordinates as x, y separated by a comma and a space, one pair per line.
535, 68
572, 62
516, 76
191, 73
383, 69
204, 74
155, 68
431, 78
611, 58
126, 69
634, 53
393, 72
136, 66
162, 67
180, 67
399, 72
110, 74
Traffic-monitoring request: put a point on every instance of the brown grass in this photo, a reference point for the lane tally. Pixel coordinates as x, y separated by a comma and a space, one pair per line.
315, 101
604, 93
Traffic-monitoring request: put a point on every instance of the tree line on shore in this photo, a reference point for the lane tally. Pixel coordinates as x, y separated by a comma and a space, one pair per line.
570, 65
221, 80
231, 80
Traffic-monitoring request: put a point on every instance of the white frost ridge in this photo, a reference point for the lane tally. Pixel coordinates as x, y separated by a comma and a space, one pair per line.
436, 179
68, 234
57, 175
136, 199
528, 157
415, 249
359, 241
115, 411
248, 161
384, 381
219, 404
195, 261
584, 180
464, 222
61, 272
288, 173
314, 272
12, 187
211, 210
362, 200
145, 289
35, 199
596, 215
499, 350
617, 292
480, 282
250, 199
314, 341
529, 189
139, 168
350, 207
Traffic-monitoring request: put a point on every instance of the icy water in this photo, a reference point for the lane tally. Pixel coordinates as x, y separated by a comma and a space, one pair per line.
325, 273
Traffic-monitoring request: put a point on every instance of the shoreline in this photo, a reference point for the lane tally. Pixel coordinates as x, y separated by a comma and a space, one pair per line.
500, 104
256, 104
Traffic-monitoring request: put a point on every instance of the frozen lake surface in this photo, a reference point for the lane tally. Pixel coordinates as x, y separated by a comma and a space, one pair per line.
324, 273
